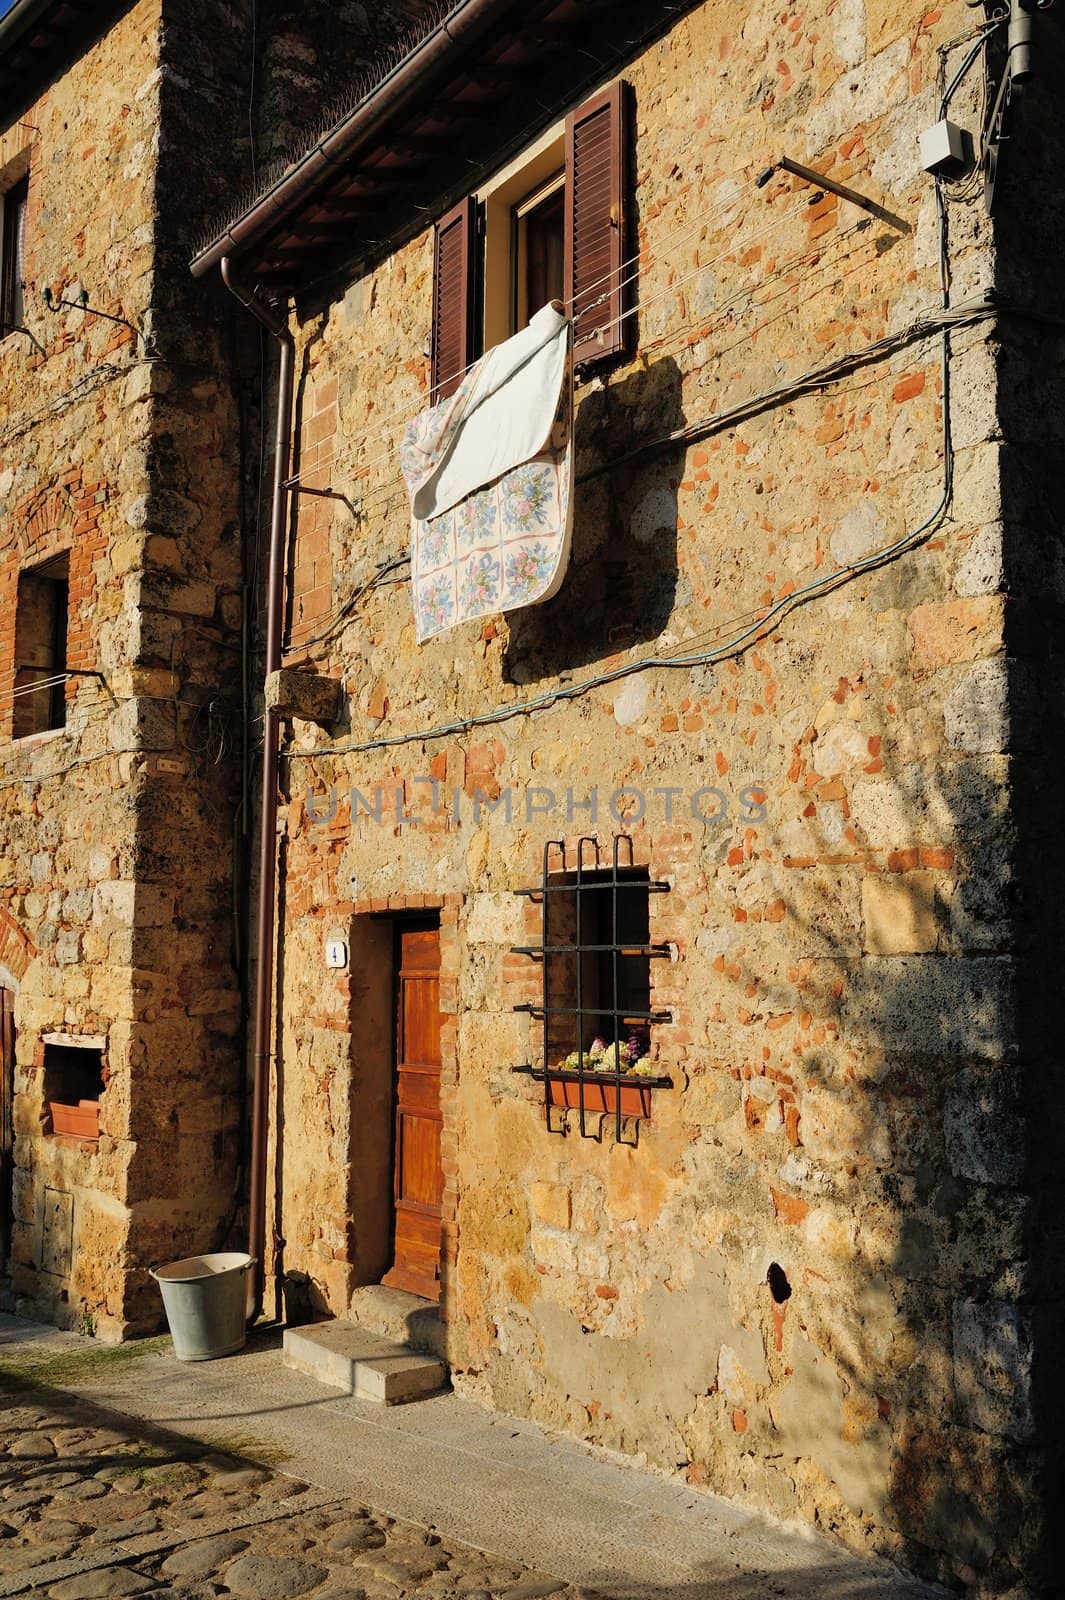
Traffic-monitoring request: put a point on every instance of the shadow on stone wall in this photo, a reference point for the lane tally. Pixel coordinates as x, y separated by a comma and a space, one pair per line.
917, 1169
621, 588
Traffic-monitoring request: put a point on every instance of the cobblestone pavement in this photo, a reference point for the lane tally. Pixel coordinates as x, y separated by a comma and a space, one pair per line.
94, 1505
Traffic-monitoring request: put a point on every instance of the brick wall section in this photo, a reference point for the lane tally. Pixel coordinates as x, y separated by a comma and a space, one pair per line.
310, 599
65, 519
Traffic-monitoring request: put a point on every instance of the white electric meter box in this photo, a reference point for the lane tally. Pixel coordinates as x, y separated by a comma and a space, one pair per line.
946, 149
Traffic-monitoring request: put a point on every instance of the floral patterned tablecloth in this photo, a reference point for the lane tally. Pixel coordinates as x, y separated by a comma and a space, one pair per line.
506, 544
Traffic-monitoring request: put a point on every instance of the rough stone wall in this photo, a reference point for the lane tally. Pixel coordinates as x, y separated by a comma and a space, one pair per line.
311, 59
115, 831
844, 979
1022, 1101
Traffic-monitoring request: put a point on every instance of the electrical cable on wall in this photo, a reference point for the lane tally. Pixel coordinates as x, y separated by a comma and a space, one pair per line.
774, 614
762, 621
814, 379
381, 495
404, 417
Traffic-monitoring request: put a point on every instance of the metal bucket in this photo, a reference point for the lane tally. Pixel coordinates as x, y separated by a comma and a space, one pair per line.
205, 1300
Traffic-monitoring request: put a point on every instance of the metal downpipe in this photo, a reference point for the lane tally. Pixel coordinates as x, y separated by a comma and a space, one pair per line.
264, 934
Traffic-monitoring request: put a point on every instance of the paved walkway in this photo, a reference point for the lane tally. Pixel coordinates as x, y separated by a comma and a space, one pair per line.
124, 1472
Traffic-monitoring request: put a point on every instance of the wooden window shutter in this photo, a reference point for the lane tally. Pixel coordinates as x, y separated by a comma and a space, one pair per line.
455, 322
598, 187
12, 256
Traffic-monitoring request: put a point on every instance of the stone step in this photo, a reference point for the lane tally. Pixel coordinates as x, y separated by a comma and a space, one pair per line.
352, 1358
395, 1314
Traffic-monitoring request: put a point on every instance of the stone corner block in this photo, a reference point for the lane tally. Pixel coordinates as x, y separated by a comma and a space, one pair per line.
294, 692
993, 1348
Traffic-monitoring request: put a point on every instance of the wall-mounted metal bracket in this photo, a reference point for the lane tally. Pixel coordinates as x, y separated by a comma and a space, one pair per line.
845, 192
56, 304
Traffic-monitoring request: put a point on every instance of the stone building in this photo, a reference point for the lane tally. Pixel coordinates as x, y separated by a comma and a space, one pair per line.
124, 664
789, 693
121, 577
797, 694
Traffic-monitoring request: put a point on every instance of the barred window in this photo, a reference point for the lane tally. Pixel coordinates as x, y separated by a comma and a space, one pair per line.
596, 1011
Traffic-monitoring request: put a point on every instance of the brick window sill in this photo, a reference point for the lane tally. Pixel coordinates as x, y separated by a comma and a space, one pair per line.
31, 741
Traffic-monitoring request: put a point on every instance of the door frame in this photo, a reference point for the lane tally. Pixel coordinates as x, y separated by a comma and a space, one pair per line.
398, 909
424, 920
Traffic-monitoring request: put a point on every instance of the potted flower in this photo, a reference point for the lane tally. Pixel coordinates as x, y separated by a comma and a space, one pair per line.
81, 1121
619, 1073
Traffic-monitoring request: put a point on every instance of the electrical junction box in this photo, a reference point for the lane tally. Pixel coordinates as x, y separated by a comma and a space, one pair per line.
946, 149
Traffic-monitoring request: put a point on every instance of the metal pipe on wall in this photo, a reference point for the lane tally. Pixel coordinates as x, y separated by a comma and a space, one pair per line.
264, 934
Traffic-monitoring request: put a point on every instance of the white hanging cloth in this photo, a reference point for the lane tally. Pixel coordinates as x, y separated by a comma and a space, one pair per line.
489, 472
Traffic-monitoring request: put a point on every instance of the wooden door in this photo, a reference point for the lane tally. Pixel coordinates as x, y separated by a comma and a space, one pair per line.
419, 1178
7, 1137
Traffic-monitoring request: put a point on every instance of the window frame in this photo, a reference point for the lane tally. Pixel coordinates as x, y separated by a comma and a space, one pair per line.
14, 203
590, 152
56, 571
520, 212
541, 164
589, 877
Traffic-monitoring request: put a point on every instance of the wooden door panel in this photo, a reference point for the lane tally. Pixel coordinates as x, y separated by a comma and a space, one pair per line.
419, 1161
421, 1021
419, 1178
419, 1090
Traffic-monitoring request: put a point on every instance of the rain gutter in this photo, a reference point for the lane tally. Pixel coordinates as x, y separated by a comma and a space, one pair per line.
275, 324
459, 32
22, 15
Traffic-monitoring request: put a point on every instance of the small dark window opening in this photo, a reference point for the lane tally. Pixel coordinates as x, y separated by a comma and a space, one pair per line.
72, 1073
603, 973
596, 961
41, 649
539, 260
12, 257
73, 1084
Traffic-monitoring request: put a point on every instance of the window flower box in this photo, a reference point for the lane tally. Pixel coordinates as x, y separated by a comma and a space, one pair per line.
627, 1094
80, 1122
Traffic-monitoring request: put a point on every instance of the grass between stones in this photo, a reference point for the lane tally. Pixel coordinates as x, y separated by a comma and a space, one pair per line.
247, 1448
50, 1368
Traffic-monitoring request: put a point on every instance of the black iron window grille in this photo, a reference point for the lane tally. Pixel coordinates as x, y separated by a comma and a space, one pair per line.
596, 954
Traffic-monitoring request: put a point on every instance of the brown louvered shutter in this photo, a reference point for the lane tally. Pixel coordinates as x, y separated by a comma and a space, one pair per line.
597, 209
455, 323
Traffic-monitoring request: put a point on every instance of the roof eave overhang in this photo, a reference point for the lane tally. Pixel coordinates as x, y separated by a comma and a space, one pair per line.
448, 45
36, 36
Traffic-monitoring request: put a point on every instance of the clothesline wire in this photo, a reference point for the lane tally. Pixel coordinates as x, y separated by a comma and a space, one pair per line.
723, 310
704, 266
669, 244
382, 493
635, 263
673, 241
696, 272
748, 239
34, 688
807, 383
